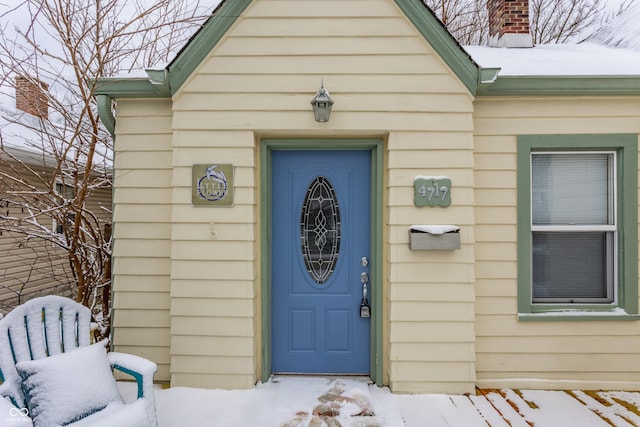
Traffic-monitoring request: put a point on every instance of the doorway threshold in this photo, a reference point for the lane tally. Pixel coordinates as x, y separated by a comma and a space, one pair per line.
275, 378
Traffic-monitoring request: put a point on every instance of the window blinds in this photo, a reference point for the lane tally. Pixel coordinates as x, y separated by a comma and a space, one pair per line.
570, 189
569, 263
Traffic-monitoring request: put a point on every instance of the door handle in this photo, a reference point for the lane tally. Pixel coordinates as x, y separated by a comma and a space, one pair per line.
364, 278
365, 310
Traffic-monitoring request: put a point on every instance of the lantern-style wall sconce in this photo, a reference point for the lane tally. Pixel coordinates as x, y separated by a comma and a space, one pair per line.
322, 104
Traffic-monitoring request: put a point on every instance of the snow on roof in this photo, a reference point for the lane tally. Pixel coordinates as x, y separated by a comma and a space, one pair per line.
584, 59
622, 31
18, 129
612, 50
25, 136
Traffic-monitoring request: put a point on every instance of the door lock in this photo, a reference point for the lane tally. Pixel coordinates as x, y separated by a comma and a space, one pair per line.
365, 310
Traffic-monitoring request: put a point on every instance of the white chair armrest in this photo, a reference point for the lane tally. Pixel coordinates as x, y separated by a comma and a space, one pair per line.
141, 369
8, 390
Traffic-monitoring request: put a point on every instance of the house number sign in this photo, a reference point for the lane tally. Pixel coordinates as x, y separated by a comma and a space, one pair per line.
432, 191
212, 184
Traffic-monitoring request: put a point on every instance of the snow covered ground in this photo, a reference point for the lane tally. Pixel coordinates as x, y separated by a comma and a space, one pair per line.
316, 402
340, 402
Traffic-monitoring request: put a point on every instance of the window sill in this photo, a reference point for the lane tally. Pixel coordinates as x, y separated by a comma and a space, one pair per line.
617, 314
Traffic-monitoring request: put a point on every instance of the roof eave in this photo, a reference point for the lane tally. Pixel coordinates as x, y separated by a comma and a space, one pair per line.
165, 82
138, 87
200, 45
511, 86
479, 81
445, 45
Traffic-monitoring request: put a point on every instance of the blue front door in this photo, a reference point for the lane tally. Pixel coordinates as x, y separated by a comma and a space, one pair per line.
319, 251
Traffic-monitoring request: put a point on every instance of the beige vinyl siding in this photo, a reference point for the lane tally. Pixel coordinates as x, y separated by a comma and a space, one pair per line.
31, 268
552, 354
142, 248
100, 203
431, 292
258, 82
213, 269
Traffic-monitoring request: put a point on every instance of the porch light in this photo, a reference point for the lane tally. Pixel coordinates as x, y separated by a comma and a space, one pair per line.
322, 104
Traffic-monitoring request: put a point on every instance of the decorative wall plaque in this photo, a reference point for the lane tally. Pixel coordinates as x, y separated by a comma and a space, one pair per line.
212, 184
432, 191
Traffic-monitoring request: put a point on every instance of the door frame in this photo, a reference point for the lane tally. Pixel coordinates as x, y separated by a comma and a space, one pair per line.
376, 147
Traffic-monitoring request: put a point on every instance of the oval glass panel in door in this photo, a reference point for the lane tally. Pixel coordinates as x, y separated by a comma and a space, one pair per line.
320, 229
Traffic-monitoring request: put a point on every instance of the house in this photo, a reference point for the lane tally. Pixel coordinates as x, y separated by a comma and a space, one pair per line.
453, 218
33, 266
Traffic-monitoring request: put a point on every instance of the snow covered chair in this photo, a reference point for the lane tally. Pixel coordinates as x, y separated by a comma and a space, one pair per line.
52, 374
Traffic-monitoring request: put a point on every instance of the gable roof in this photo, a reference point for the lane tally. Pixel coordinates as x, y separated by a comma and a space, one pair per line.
479, 80
24, 138
39, 142
167, 81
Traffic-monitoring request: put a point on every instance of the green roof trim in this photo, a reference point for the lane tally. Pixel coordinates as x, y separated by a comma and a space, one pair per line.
442, 42
166, 82
197, 49
481, 82
562, 86
138, 87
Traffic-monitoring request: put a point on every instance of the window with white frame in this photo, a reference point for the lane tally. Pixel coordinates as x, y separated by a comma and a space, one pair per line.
573, 227
577, 226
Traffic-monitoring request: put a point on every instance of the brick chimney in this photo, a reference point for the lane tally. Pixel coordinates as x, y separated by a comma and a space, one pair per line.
31, 97
509, 23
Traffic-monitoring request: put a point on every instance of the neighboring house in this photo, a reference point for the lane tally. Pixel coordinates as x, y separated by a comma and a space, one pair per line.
245, 230
31, 267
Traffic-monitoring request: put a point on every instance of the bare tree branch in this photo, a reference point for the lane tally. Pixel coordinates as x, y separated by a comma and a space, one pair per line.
551, 21
554, 21
54, 168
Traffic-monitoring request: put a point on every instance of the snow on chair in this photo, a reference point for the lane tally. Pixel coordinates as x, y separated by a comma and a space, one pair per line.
50, 371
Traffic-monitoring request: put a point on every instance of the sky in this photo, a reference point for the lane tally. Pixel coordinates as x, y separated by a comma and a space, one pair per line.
21, 20
15, 18
10, 20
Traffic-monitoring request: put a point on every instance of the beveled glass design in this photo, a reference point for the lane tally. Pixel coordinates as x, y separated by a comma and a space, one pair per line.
320, 229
